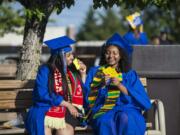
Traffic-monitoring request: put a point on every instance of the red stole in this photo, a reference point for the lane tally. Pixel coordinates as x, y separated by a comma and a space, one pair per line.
55, 116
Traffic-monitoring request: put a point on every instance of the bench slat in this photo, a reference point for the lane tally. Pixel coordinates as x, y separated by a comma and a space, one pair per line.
15, 95
12, 131
16, 84
15, 104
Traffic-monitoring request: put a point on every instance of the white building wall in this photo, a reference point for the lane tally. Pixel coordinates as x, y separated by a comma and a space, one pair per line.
14, 40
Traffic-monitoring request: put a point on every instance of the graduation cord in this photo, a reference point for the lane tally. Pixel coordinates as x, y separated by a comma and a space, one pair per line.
69, 93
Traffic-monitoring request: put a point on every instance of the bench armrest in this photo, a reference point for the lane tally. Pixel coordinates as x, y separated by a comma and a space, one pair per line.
159, 116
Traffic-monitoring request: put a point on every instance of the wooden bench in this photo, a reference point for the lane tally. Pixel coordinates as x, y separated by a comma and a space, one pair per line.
16, 94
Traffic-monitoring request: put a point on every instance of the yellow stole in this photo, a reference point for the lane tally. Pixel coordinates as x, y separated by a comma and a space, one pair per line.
113, 91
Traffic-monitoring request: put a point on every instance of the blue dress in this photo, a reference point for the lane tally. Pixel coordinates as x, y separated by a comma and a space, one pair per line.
42, 101
142, 40
125, 118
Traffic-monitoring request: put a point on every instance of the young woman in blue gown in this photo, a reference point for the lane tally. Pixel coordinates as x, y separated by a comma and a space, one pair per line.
58, 92
115, 103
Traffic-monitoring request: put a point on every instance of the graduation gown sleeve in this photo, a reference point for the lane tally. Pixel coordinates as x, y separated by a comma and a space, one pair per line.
137, 94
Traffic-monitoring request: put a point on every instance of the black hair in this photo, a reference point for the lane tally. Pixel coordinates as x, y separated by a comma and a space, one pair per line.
55, 61
124, 63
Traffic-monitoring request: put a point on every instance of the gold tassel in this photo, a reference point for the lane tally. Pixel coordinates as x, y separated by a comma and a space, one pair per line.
56, 123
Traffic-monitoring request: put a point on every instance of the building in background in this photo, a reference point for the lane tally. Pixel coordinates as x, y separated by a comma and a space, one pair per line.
13, 39
10, 44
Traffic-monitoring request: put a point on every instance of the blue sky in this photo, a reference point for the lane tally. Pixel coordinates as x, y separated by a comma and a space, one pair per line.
73, 16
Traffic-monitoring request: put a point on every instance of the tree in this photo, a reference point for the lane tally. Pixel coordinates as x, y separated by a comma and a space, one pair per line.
176, 28
157, 19
164, 4
11, 20
111, 23
89, 26
101, 26
37, 15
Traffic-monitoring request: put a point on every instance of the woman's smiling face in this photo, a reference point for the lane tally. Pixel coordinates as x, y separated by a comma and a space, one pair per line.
112, 56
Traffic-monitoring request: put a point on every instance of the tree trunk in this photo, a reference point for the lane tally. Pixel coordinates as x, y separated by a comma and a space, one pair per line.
31, 49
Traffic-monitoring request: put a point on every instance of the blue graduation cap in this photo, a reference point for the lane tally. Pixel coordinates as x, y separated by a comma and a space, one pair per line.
65, 49
117, 40
60, 44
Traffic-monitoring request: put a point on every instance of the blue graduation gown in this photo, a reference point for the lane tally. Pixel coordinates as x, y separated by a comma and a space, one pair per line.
42, 101
125, 118
142, 40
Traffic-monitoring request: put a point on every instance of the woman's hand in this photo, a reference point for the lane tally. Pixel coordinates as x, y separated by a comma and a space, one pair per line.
120, 86
82, 70
115, 81
106, 80
73, 111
